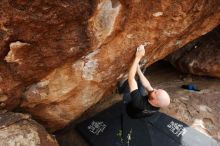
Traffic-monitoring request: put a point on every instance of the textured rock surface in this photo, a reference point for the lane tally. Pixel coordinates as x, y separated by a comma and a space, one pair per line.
36, 37
201, 57
19, 129
198, 109
64, 56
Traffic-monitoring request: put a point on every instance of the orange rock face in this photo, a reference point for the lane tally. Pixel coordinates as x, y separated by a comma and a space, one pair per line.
200, 57
61, 57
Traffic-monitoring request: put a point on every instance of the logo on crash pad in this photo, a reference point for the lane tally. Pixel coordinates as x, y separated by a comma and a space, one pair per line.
177, 128
97, 127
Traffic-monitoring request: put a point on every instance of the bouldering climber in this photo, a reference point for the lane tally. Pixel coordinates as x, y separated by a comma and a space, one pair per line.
140, 105
136, 120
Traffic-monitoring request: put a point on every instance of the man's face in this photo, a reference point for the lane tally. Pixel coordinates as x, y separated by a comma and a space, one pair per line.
164, 98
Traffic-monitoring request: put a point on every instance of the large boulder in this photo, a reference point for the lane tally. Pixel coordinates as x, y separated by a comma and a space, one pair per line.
200, 57
20, 129
62, 57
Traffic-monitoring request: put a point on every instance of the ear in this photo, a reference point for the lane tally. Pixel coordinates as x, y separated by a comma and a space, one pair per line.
154, 102
150, 97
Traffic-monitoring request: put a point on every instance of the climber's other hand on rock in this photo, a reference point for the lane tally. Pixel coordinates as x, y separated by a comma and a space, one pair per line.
140, 51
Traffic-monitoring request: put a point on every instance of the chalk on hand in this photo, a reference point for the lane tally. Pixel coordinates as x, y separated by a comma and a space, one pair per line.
140, 48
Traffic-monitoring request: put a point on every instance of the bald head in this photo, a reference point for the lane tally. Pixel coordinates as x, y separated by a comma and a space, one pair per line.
162, 97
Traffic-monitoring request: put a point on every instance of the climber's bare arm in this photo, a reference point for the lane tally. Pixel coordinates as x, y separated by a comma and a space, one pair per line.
144, 80
131, 75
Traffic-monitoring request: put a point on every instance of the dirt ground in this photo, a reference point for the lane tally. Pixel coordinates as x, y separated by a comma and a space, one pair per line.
199, 109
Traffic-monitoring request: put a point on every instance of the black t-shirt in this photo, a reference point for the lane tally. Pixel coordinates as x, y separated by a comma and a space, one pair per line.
139, 106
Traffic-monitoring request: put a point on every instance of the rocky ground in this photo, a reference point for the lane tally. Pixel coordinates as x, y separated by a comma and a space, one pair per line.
200, 109
17, 129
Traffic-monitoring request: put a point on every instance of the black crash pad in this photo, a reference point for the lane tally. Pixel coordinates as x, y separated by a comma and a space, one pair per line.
113, 127
177, 131
104, 128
